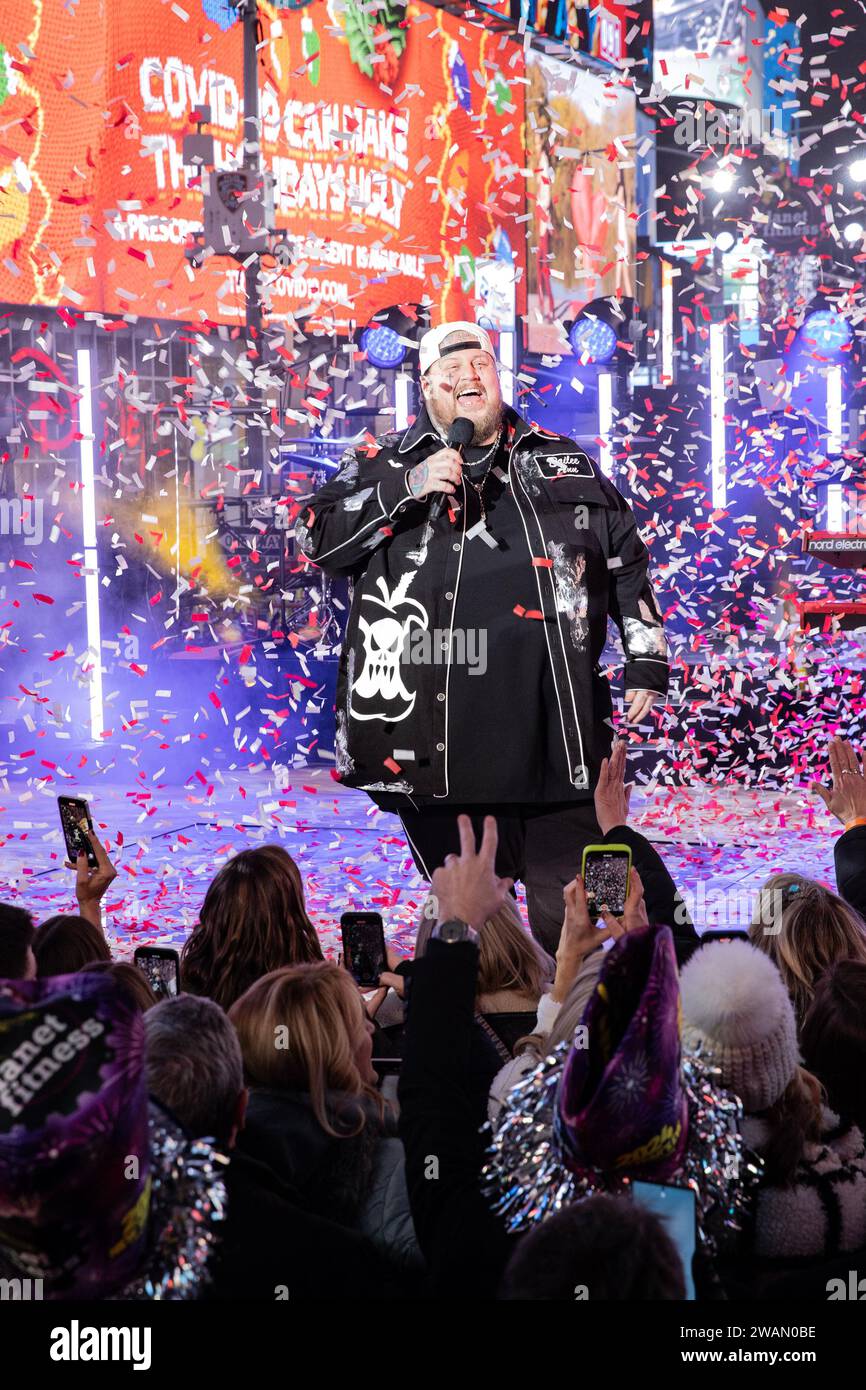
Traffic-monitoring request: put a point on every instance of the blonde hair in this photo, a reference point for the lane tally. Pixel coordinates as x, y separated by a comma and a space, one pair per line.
805, 928
508, 957
299, 1030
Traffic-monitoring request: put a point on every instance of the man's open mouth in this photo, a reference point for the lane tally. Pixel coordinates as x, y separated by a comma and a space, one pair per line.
470, 393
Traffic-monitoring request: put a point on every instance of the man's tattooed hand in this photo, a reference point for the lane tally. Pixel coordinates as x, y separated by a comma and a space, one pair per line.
440, 472
418, 479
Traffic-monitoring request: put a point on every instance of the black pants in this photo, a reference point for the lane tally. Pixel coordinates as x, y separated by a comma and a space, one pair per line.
539, 845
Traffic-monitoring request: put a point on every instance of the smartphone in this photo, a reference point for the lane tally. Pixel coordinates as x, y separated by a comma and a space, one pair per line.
386, 1066
160, 966
77, 827
364, 954
676, 1207
606, 873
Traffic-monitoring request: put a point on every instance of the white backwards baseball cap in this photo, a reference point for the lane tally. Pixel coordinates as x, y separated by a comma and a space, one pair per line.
429, 348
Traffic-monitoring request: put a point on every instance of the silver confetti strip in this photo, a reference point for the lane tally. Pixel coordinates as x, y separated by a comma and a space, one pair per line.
526, 1181
188, 1203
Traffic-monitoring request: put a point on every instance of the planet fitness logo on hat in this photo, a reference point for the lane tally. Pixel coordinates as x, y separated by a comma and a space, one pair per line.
74, 1135
42, 1051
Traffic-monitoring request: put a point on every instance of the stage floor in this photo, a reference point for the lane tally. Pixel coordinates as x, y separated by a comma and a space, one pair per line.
719, 845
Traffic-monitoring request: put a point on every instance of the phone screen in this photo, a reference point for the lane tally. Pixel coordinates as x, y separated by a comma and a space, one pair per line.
605, 878
676, 1207
77, 827
364, 946
161, 970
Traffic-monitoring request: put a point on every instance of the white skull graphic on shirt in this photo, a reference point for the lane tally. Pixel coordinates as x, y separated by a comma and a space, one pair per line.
381, 679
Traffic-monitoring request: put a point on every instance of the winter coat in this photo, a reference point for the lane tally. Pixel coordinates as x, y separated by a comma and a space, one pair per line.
589, 563
823, 1211
448, 1065
270, 1243
849, 851
358, 1181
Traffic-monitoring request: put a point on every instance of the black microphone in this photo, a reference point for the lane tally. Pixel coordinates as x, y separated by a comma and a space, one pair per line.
460, 434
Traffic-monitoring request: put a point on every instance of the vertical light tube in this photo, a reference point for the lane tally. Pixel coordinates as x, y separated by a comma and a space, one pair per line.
835, 509
605, 421
506, 359
176, 522
402, 397
718, 462
88, 527
667, 323
834, 409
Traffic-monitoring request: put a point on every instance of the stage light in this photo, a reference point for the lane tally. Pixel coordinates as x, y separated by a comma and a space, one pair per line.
593, 340
834, 409
858, 170
383, 346
667, 323
724, 241
88, 527
402, 399
605, 421
853, 232
718, 471
722, 181
506, 361
835, 508
825, 331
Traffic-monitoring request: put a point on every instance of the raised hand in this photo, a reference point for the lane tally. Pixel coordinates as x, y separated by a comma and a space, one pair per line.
92, 884
467, 886
612, 794
847, 799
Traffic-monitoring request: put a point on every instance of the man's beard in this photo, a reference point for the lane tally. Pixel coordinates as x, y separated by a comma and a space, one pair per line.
485, 426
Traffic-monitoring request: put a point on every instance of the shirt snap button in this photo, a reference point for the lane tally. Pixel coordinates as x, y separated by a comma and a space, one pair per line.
440, 747
440, 696
456, 545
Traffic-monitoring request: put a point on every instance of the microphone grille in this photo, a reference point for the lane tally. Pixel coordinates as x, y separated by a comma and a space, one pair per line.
461, 432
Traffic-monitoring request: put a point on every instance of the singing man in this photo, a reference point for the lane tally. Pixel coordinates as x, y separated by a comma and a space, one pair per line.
469, 678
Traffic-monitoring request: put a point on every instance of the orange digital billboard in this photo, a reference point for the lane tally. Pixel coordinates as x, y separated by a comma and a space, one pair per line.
396, 154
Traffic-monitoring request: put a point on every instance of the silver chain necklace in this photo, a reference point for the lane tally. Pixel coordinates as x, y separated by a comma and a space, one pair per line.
479, 486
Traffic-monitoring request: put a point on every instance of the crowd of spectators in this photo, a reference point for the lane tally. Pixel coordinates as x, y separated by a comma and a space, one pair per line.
486, 1123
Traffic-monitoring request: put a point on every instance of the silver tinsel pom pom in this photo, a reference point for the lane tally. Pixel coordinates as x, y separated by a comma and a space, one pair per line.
188, 1202
525, 1180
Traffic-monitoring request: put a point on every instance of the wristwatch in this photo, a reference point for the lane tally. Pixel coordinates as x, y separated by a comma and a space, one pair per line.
453, 930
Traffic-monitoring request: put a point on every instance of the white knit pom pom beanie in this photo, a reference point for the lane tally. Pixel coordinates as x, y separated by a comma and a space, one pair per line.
736, 1010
